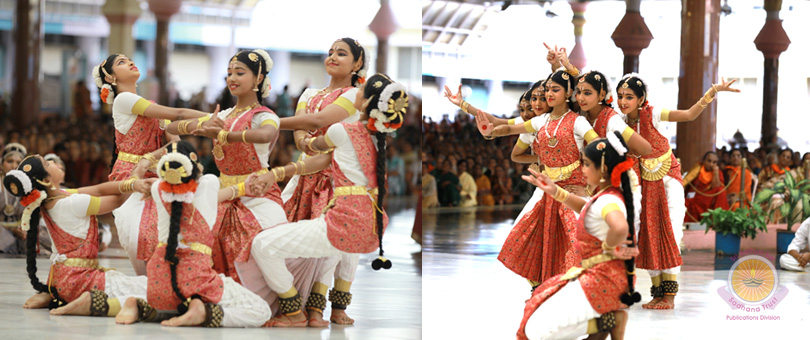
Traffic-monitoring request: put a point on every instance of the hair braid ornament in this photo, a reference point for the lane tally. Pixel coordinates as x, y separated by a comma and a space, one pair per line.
269, 62
389, 109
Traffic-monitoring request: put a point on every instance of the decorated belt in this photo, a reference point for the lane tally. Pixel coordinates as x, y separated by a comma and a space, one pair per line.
15, 224
561, 173
573, 272
128, 157
84, 263
227, 180
354, 190
195, 246
653, 169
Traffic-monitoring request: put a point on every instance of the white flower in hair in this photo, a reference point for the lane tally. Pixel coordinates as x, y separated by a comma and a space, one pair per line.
97, 77
616, 144
175, 157
23, 178
25, 221
269, 62
645, 85
386, 94
380, 120
186, 197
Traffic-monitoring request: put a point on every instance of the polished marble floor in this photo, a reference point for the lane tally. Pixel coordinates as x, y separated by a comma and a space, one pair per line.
385, 305
469, 294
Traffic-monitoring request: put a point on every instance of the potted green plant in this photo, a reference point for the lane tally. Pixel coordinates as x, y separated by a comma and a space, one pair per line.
795, 209
731, 226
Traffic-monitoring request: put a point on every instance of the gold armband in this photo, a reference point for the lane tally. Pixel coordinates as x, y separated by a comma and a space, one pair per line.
222, 137
561, 195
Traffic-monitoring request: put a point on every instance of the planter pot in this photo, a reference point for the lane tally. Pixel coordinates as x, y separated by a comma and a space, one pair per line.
783, 239
726, 245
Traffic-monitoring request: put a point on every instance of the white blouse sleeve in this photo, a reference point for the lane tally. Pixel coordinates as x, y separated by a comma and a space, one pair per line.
337, 135
264, 118
581, 127
302, 101
537, 122
346, 101
71, 213
126, 108
527, 138
205, 200
800, 241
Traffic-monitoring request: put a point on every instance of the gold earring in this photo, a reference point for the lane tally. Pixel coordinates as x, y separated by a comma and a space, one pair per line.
113, 82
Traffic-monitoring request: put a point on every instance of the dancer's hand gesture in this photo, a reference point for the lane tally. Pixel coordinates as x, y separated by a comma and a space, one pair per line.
257, 186
144, 186
624, 253
213, 121
210, 128
541, 181
551, 57
726, 85
453, 98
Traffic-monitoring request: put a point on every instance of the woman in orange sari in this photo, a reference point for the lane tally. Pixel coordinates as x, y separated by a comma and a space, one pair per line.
735, 199
704, 188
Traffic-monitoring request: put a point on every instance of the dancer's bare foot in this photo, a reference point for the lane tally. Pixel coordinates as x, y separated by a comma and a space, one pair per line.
38, 300
195, 316
652, 304
281, 320
667, 303
80, 306
315, 319
339, 317
617, 333
128, 313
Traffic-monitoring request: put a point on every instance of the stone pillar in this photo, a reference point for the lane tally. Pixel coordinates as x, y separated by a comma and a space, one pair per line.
163, 9
772, 40
383, 25
280, 73
122, 15
700, 27
632, 35
27, 33
91, 47
577, 55
219, 56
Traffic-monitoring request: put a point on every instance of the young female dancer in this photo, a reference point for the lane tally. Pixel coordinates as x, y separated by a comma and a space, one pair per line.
181, 266
662, 206
11, 237
306, 196
540, 244
561, 307
139, 129
244, 137
355, 220
75, 275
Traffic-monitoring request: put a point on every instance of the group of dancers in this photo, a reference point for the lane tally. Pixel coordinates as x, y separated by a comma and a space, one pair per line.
233, 251
609, 199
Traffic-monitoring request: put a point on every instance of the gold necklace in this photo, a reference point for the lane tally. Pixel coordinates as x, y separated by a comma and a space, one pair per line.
236, 111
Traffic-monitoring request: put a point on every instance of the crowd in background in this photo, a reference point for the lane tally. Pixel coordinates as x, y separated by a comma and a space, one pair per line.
452, 150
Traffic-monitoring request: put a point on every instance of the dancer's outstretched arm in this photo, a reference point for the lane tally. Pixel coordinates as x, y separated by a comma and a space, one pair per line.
697, 108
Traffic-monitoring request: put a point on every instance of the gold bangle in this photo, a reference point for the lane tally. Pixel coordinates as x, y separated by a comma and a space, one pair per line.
303, 168
151, 158
275, 174
714, 88
241, 188
465, 106
295, 164
312, 147
298, 142
222, 137
561, 195
234, 191
243, 136
606, 247
283, 174
127, 186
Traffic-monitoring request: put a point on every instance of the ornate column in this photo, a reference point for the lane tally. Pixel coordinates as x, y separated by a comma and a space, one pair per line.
577, 55
632, 35
122, 15
163, 9
700, 31
27, 32
383, 25
771, 41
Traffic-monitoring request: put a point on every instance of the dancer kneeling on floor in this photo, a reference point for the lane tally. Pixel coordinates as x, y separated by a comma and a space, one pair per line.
355, 219
180, 271
70, 217
563, 308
